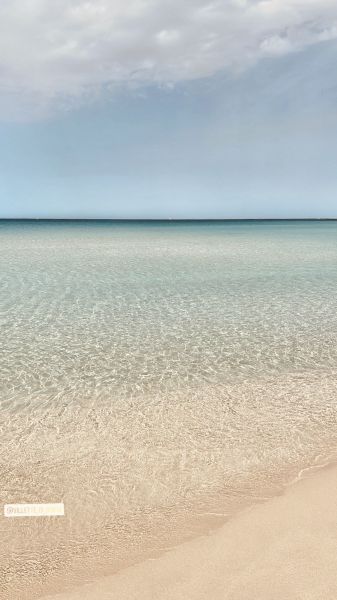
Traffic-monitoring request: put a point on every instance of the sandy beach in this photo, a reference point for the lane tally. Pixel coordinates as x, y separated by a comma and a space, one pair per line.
284, 548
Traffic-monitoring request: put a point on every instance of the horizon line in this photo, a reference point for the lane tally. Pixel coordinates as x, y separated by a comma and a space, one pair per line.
163, 220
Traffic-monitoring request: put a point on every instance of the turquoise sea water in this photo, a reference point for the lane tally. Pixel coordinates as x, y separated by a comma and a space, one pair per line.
155, 377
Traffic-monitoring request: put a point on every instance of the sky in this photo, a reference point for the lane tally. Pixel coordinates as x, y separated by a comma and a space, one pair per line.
168, 109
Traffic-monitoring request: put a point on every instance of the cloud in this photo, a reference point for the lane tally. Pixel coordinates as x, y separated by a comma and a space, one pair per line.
56, 55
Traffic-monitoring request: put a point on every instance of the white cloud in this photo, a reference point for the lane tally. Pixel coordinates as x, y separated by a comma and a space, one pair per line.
276, 46
56, 54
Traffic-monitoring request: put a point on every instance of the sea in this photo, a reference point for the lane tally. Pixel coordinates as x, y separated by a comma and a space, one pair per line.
156, 377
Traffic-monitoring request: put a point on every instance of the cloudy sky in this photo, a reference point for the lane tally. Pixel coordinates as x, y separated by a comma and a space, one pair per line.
164, 108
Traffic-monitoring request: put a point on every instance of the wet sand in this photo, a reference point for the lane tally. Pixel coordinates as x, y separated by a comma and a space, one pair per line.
281, 549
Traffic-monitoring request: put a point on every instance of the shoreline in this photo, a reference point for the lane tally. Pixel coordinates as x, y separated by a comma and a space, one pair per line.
283, 548
94, 556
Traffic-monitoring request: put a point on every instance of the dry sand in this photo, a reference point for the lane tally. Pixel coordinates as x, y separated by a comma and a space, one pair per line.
284, 549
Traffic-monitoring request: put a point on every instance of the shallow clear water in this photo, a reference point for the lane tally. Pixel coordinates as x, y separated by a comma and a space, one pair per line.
156, 377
